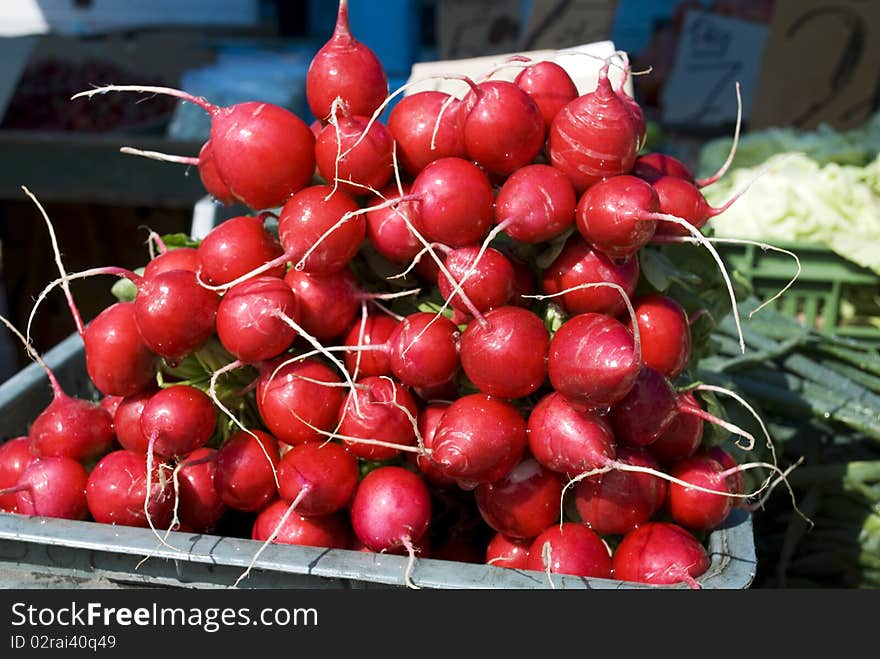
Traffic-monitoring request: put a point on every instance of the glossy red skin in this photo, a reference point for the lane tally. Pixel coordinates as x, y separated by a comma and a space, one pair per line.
412, 121
15, 455
523, 503
391, 506
178, 420
652, 166
578, 263
611, 215
568, 438
694, 509
199, 505
369, 161
235, 247
178, 258
53, 487
175, 314
330, 531
736, 480
375, 331
507, 552
385, 411
118, 361
549, 86
574, 549
326, 304
665, 334
250, 319
327, 472
263, 152
427, 421
387, 228
593, 137
541, 202
73, 428
641, 416
424, 350
683, 199
291, 401
682, 437
457, 202
308, 215
244, 470
117, 488
127, 421
346, 68
502, 126
617, 501
659, 553
592, 361
210, 177
489, 283
479, 439
508, 357
111, 404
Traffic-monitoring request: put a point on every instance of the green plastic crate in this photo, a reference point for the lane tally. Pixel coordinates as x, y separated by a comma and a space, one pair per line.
827, 282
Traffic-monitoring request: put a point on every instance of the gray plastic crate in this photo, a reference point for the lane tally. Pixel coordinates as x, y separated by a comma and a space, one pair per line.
88, 550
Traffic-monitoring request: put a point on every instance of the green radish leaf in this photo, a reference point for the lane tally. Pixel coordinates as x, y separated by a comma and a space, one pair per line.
174, 240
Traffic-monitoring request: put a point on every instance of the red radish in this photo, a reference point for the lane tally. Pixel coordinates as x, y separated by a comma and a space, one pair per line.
262, 152
252, 319
327, 303
318, 227
355, 154
735, 479
372, 329
507, 355
111, 404
127, 421
549, 86
391, 509
300, 400
614, 215
479, 439
237, 246
330, 531
178, 420
319, 477
501, 126
682, 437
388, 227
615, 502
424, 350
15, 456
427, 421
179, 258
200, 507
523, 503
425, 127
381, 411
652, 166
487, 279
456, 202
593, 360
696, 509
210, 176
568, 438
683, 199
660, 553
535, 204
594, 137
570, 548
579, 263
116, 490
345, 69
118, 360
507, 552
52, 487
244, 470
665, 334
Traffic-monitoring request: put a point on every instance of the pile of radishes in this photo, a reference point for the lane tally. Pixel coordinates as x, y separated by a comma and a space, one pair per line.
365, 361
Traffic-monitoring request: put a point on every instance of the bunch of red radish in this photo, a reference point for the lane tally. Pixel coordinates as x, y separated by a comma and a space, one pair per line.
325, 416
